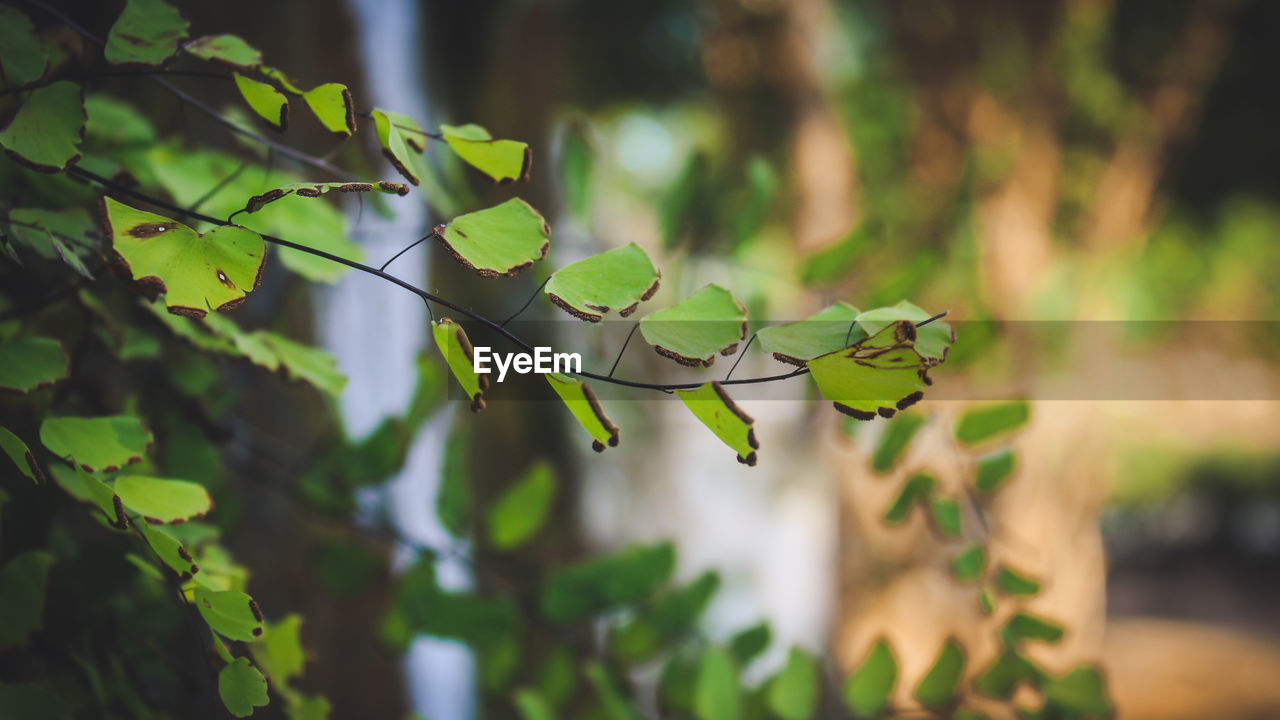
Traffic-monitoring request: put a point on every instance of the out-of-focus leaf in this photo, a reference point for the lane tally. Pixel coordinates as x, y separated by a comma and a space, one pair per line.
830, 329
146, 33
793, 693
19, 453
453, 498
458, 354
585, 407
279, 651
938, 687
1005, 673
597, 585
163, 501
1025, 626
1013, 582
621, 278
668, 619
713, 406
915, 490
242, 688
762, 184
994, 470
521, 511
868, 689
34, 702
171, 552
269, 103
22, 586
969, 564
717, 696
984, 423
116, 123
946, 516
403, 141
501, 160
557, 676
100, 443
232, 614
230, 49
304, 362
833, 263
678, 683
31, 364
878, 376
694, 330
749, 643
333, 107
532, 706
22, 55
500, 241
1081, 693
577, 167
894, 440
46, 132
613, 704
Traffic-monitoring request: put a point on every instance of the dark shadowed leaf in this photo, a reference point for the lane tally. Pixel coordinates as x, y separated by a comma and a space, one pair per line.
1081, 693
30, 364
20, 454
749, 643
1025, 626
1005, 673
623, 578
45, 135
34, 702
22, 55
22, 589
146, 33
668, 619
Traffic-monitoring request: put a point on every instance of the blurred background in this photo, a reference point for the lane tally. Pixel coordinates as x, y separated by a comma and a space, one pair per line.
1052, 173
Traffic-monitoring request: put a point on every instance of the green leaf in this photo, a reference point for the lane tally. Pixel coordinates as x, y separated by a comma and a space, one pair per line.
879, 375
1017, 584
716, 696
1005, 673
456, 349
793, 692
306, 363
263, 348
28, 701
557, 676
522, 509
22, 55
100, 443
333, 107
279, 651
868, 689
196, 273
279, 77
1025, 626
146, 33
88, 489
987, 602
915, 490
938, 687
270, 104
45, 135
621, 278
54, 234
665, 621
22, 586
232, 614
500, 241
826, 331
933, 340
501, 160
163, 501
713, 406
1081, 693
833, 263
532, 706
969, 564
316, 189
584, 406
894, 440
116, 123
171, 552
312, 707
982, 424
31, 364
577, 167
622, 578
453, 498
17, 450
242, 688
946, 516
230, 49
994, 470
403, 142
692, 331
613, 704
749, 643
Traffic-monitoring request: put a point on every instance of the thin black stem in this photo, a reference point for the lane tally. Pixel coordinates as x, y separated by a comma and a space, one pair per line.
624, 348
741, 354
413, 245
528, 302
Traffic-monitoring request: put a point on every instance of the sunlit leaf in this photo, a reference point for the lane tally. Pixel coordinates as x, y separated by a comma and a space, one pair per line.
270, 104
98, 443
31, 364
501, 160
453, 344
933, 341
22, 590
163, 501
794, 692
946, 516
403, 142
1012, 582
830, 329
716, 696
279, 650
197, 273
233, 614
585, 407
623, 578
713, 406
333, 107
22, 55
280, 78
749, 643
894, 440
18, 451
171, 552
522, 509
994, 470
1025, 626
914, 491
938, 687
500, 241
316, 189
868, 689
230, 49
242, 688
146, 33
970, 563
621, 278
45, 135
984, 423
879, 375
667, 620
694, 330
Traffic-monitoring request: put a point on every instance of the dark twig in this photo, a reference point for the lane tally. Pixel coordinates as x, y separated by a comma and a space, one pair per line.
741, 353
411, 246
624, 348
526, 304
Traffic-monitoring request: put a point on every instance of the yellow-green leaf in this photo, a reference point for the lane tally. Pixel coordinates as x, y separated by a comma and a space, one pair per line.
171, 552
46, 132
523, 508
500, 241
20, 454
163, 501
584, 405
231, 613
266, 100
451, 341
868, 689
694, 330
242, 688
501, 160
316, 189
877, 376
621, 278
333, 107
712, 405
96, 443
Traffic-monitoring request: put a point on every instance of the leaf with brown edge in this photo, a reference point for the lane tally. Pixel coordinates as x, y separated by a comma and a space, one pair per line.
172, 553
585, 407
160, 501
501, 160
500, 241
692, 332
451, 341
333, 107
31, 364
97, 443
735, 428
196, 273
621, 278
229, 49
316, 189
270, 104
21, 456
877, 376
828, 330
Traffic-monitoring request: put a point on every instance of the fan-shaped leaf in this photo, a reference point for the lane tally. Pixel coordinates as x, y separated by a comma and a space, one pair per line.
582, 402
147, 33
453, 344
22, 55
717, 696
522, 509
242, 688
830, 329
195, 272
623, 578
693, 330
234, 615
938, 687
984, 423
171, 552
31, 364
713, 406
20, 454
312, 190
98, 443
867, 691
501, 160
333, 107
163, 501
915, 490
46, 132
793, 692
403, 140
932, 341
969, 564
22, 584
499, 241
621, 278
230, 49
994, 469
264, 99
879, 375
